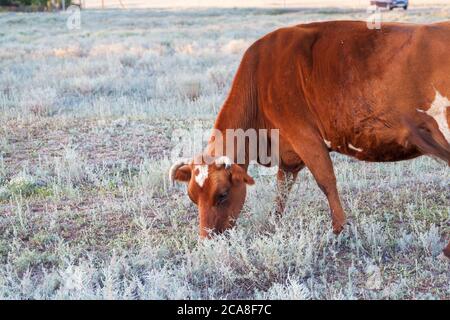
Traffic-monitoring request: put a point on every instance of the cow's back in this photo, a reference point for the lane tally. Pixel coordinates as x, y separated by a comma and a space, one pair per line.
355, 85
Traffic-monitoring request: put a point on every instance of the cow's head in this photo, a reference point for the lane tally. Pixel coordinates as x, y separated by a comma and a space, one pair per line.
218, 190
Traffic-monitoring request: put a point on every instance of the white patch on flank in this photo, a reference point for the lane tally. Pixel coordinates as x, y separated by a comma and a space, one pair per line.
328, 143
201, 175
354, 148
438, 112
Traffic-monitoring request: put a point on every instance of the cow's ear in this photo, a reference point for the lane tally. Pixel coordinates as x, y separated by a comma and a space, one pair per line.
240, 175
182, 174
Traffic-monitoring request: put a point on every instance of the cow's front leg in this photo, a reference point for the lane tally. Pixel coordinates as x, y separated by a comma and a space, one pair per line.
285, 182
314, 153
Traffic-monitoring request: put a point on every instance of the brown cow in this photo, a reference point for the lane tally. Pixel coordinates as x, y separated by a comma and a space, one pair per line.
376, 95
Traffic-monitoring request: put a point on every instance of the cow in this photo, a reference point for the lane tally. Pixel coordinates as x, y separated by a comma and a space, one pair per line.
375, 95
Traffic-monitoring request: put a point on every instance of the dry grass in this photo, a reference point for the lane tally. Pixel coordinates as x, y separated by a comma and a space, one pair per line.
86, 210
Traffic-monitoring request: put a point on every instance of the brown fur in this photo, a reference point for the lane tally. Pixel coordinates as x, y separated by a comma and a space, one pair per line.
357, 88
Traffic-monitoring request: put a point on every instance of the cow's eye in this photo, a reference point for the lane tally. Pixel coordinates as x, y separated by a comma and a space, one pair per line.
222, 197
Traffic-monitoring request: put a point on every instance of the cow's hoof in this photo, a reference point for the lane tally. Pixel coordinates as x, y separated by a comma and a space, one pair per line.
337, 228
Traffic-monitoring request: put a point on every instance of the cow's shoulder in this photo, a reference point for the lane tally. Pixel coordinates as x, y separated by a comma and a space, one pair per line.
284, 45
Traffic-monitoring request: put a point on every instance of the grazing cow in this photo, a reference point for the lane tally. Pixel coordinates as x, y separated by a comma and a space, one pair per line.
376, 95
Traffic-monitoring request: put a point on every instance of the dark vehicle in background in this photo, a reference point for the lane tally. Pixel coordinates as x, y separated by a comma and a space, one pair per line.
390, 4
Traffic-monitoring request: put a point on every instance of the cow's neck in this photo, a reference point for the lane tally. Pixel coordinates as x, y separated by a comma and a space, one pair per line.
236, 113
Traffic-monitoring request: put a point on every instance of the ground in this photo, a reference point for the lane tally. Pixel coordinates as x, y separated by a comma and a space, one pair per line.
87, 211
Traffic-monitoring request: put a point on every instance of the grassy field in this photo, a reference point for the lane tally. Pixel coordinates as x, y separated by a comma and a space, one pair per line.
87, 211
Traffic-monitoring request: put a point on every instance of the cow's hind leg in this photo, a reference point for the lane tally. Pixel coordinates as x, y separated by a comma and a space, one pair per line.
285, 182
314, 153
431, 142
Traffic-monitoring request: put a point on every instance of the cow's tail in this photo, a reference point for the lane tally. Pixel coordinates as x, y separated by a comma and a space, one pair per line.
429, 140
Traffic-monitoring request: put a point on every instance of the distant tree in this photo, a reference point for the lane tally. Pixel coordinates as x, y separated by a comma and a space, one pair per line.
37, 3
7, 2
22, 2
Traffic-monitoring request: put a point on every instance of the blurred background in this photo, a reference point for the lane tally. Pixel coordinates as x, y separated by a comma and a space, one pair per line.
130, 4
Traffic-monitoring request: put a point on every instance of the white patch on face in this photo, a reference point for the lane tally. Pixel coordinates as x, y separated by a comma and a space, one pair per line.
438, 111
328, 143
201, 175
355, 148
